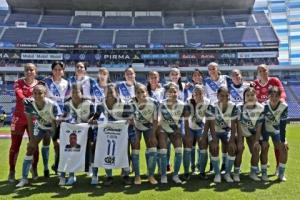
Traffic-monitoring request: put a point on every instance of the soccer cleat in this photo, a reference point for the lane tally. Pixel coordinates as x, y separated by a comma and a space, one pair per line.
46, 173
126, 180
137, 180
62, 181
254, 177
282, 178
22, 183
217, 178
152, 180
194, 173
228, 178
176, 179
71, 180
203, 176
11, 177
164, 179
94, 180
236, 178
108, 181
265, 177
34, 174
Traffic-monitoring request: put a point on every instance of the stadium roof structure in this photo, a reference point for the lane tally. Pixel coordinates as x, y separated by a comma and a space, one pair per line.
129, 5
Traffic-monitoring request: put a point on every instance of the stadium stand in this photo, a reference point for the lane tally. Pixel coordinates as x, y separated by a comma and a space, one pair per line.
31, 19
167, 37
237, 35
55, 20
132, 37
96, 36
21, 35
59, 36
203, 36
117, 22
148, 22
95, 21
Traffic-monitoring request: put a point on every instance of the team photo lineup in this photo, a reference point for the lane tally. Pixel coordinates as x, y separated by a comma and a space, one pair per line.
95, 123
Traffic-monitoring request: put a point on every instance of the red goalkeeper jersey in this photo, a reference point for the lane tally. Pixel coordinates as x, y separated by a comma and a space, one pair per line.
262, 90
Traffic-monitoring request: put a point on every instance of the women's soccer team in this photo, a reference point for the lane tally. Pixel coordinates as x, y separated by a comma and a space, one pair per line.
194, 117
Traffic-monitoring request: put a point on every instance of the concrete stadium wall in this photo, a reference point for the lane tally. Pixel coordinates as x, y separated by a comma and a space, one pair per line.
134, 5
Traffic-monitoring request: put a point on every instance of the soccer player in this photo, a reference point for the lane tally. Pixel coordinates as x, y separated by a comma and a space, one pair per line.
58, 90
102, 80
77, 109
145, 121
197, 79
126, 88
276, 113
87, 83
212, 84
224, 116
45, 112
171, 113
262, 85
23, 89
236, 86
155, 91
250, 122
199, 106
154, 88
114, 108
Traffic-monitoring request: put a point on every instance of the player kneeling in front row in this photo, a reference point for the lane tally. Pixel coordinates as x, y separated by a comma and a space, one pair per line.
250, 121
199, 107
224, 115
172, 112
146, 122
276, 113
45, 112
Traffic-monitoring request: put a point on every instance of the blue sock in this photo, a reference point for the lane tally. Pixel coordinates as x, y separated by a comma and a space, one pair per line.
253, 169
187, 153
281, 169
236, 170
45, 156
152, 153
177, 160
264, 169
215, 163
163, 161
168, 152
95, 171
147, 159
26, 166
229, 165
193, 159
202, 153
135, 156
108, 172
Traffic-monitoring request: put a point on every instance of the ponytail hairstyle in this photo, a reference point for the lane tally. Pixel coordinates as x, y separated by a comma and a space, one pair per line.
150, 93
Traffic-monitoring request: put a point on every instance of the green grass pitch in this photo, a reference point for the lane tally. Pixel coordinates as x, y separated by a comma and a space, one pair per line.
194, 189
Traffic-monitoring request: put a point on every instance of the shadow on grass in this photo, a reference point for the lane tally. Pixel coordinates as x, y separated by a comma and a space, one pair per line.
50, 186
